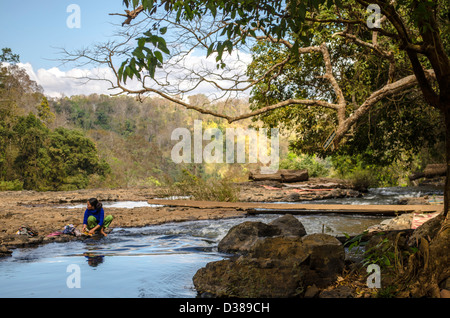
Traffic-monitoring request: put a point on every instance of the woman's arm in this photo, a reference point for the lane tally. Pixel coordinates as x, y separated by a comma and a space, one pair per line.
95, 228
85, 219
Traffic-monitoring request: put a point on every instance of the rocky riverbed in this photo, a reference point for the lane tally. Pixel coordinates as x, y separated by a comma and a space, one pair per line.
47, 212
313, 189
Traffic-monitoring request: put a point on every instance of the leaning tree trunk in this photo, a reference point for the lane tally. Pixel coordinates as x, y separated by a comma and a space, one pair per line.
447, 156
430, 265
437, 259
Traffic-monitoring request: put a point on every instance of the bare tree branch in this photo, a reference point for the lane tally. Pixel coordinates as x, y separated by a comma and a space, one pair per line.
130, 15
390, 89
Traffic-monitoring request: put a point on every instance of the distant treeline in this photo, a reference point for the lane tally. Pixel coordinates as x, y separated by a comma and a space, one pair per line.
134, 137
93, 141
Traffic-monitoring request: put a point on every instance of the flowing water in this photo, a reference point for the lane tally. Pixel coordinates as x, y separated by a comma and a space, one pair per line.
154, 261
390, 195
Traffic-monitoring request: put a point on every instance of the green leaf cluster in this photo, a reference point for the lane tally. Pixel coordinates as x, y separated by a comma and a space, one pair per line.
8, 56
316, 167
241, 18
401, 131
144, 57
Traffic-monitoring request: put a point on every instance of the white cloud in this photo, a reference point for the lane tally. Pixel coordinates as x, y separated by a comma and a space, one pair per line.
187, 71
57, 83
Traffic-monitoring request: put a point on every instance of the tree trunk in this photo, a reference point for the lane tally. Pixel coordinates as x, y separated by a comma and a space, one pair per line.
446, 112
428, 267
436, 255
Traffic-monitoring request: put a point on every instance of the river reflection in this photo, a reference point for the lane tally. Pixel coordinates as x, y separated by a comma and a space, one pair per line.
94, 259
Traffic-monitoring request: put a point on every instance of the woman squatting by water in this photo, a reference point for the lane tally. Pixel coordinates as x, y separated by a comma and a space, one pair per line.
94, 218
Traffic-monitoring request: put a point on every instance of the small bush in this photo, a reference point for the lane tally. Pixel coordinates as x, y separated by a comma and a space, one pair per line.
15, 185
210, 189
316, 167
362, 180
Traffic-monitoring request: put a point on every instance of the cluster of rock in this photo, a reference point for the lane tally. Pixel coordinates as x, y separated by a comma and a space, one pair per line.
272, 260
279, 259
312, 189
401, 222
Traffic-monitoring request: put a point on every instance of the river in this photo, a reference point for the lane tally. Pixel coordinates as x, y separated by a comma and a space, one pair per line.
155, 261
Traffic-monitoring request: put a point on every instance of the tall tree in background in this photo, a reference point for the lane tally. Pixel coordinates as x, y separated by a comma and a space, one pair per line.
8, 111
29, 137
44, 112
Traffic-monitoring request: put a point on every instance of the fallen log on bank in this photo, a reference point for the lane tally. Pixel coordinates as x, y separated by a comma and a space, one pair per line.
283, 175
430, 171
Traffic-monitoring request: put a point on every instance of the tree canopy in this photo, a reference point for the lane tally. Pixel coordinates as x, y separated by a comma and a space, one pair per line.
32, 155
409, 31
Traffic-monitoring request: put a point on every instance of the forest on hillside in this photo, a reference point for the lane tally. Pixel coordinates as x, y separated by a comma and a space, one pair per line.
92, 141
134, 137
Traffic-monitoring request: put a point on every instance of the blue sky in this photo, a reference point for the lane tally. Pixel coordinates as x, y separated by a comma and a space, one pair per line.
38, 29
33, 28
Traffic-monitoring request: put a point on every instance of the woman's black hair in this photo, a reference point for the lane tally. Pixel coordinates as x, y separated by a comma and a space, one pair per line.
95, 203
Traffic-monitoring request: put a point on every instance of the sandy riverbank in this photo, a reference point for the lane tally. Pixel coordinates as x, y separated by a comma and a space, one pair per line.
43, 213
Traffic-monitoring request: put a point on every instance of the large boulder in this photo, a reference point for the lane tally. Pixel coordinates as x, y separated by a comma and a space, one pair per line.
240, 238
320, 257
248, 277
289, 225
326, 261
279, 248
280, 266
